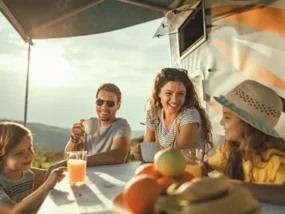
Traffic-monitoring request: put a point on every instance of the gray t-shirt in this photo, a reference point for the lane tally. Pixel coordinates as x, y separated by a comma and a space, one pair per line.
16, 190
166, 137
103, 139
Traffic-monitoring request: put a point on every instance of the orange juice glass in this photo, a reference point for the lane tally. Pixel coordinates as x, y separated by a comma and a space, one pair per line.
76, 166
194, 169
194, 160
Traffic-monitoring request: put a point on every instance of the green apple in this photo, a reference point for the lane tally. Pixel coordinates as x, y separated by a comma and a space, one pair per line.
170, 162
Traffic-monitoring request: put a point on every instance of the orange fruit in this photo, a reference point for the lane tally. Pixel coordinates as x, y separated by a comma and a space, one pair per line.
141, 193
148, 169
165, 182
186, 176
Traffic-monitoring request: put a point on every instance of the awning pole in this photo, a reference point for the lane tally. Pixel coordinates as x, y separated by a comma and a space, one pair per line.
27, 84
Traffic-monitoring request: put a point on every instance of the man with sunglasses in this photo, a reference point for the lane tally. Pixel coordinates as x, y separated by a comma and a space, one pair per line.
111, 143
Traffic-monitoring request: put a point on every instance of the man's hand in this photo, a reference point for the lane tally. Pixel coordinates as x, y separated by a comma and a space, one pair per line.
137, 152
77, 130
59, 164
55, 176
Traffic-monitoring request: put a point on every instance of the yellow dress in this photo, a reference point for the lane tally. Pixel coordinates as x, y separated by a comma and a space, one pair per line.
272, 171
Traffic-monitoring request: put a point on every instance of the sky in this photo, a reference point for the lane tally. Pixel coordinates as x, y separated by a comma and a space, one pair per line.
65, 73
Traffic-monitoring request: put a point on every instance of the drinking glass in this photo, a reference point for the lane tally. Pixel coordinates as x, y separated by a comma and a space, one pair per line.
76, 166
194, 159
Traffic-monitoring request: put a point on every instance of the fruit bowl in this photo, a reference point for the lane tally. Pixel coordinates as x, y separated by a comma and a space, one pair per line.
119, 205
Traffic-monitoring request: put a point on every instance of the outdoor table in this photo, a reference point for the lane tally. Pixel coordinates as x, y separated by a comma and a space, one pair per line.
103, 183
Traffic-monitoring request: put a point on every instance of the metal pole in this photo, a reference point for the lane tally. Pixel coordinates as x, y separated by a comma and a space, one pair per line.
27, 84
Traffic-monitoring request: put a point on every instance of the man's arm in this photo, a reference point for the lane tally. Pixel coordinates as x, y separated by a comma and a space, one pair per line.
74, 146
271, 193
117, 155
75, 142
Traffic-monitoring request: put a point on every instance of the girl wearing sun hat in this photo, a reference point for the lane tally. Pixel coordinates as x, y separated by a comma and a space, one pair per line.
253, 150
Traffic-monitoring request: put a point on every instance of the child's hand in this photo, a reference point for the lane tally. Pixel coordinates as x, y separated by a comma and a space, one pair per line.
62, 163
55, 176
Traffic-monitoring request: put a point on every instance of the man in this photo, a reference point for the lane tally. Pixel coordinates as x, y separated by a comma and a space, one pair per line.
111, 143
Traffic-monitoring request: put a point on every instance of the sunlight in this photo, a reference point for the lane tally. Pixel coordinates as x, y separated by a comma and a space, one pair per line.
48, 66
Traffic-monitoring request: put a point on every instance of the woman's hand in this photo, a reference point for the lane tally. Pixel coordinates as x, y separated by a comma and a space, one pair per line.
55, 176
137, 152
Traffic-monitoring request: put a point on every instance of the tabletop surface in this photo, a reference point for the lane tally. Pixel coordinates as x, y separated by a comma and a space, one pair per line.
103, 183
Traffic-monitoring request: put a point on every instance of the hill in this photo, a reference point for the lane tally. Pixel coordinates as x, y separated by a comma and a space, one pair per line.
53, 137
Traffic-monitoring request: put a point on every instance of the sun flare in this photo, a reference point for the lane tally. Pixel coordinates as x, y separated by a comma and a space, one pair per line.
48, 66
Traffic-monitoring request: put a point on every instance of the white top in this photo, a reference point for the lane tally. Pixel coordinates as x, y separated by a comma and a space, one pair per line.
103, 183
166, 137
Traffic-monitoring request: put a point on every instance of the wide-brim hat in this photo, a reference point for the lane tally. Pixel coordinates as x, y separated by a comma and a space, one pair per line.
256, 104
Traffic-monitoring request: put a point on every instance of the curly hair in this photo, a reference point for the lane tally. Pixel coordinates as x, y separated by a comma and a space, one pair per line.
191, 99
254, 143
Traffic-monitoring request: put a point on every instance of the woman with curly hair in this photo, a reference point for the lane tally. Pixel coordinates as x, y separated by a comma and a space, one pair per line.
175, 117
253, 150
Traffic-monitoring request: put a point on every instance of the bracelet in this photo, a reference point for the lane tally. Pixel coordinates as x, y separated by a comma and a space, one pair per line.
74, 140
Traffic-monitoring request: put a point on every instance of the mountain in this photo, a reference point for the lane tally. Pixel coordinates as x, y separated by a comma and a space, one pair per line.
53, 137
136, 134
48, 137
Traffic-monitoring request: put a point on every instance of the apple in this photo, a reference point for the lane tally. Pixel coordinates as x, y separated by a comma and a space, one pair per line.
170, 162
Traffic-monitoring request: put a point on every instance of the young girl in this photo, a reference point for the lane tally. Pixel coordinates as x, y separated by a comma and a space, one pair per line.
16, 177
176, 118
253, 150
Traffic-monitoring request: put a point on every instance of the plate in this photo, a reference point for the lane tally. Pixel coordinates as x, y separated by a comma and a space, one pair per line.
120, 206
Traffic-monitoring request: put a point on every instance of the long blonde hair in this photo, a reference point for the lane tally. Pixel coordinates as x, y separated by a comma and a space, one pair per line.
11, 134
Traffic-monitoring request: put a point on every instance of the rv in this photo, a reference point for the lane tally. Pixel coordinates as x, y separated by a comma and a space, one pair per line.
222, 43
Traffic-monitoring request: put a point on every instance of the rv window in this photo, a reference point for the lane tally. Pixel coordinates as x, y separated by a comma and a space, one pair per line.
192, 32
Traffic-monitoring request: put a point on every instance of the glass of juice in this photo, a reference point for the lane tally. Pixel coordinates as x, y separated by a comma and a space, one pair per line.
194, 161
76, 166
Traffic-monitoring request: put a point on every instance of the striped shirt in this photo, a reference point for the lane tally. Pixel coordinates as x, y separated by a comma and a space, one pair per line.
166, 137
16, 190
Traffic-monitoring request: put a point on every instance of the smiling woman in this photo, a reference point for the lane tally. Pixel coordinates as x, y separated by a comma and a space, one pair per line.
48, 66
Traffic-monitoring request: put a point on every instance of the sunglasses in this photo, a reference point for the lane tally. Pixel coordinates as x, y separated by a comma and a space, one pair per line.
100, 102
172, 71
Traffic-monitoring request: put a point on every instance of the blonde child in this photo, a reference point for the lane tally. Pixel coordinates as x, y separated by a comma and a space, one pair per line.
18, 181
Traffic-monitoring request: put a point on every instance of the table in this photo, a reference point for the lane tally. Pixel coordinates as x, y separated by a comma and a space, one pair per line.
103, 183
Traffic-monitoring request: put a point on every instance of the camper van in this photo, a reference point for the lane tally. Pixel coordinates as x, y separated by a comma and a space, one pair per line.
222, 43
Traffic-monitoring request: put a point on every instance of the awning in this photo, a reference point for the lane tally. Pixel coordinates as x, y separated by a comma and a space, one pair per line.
42, 19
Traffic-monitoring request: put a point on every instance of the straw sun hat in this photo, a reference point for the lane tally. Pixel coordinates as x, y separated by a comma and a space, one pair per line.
255, 104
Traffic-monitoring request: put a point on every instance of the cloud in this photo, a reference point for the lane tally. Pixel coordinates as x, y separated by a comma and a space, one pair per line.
130, 58
10, 42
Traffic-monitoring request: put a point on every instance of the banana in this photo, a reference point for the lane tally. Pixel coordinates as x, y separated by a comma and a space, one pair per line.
238, 201
170, 204
203, 189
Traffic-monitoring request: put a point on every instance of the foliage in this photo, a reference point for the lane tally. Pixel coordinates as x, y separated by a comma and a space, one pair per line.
44, 158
